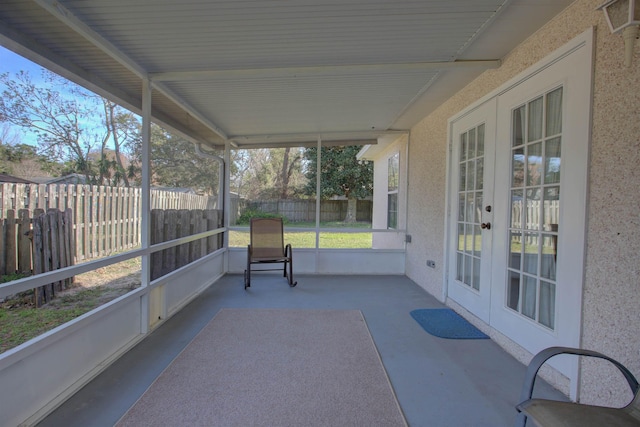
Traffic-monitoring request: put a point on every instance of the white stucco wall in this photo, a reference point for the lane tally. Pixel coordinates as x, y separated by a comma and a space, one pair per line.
611, 294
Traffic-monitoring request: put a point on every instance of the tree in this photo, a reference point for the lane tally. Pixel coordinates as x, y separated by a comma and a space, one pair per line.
124, 131
274, 173
81, 130
174, 163
341, 174
23, 161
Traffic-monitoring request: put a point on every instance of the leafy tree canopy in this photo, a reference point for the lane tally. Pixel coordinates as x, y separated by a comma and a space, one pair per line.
341, 173
175, 163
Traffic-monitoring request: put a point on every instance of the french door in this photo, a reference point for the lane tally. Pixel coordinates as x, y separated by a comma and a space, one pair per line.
517, 204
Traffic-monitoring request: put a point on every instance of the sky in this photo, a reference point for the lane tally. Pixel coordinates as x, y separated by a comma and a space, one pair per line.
13, 63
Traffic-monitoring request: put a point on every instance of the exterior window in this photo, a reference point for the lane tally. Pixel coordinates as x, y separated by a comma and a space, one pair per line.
535, 207
393, 171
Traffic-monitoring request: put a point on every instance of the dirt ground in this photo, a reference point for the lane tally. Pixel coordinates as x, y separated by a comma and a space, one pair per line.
109, 283
113, 280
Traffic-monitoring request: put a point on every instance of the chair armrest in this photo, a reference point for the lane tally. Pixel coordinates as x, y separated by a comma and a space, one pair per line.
288, 251
540, 358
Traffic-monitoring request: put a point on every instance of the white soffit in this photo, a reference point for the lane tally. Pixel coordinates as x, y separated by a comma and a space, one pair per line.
274, 72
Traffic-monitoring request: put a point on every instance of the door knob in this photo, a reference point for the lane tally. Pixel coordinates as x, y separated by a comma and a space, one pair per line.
486, 225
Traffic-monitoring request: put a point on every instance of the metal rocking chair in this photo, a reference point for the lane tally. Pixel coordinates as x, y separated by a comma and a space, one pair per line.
551, 413
267, 247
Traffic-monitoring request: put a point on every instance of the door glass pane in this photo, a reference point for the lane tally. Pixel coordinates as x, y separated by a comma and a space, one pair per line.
476, 273
479, 174
467, 270
480, 141
477, 245
547, 304
535, 208
471, 175
463, 147
529, 296
478, 208
470, 215
517, 168
535, 120
549, 257
534, 164
471, 154
513, 290
463, 177
554, 112
515, 251
552, 161
551, 208
461, 208
518, 126
459, 267
532, 211
468, 238
517, 200
530, 259
461, 237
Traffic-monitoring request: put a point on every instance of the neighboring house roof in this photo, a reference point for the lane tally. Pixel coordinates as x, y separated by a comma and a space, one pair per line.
72, 178
14, 179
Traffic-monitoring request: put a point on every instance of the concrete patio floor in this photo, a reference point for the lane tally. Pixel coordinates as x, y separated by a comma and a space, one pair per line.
438, 382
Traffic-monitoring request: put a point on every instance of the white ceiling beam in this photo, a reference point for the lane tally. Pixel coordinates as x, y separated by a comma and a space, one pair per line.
173, 76
69, 19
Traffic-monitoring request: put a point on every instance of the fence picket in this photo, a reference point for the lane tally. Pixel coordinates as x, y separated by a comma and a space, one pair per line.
24, 242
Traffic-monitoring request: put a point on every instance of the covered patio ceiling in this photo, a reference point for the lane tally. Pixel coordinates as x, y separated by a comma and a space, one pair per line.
271, 73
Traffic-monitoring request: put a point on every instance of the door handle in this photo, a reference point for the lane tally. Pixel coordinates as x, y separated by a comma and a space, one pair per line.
485, 226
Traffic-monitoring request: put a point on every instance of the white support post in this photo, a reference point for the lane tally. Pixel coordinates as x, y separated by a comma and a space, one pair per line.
227, 200
318, 187
145, 229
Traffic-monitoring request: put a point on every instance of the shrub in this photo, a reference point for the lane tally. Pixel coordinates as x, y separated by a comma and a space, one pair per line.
246, 216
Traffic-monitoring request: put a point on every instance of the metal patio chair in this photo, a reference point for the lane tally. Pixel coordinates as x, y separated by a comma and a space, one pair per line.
267, 247
552, 413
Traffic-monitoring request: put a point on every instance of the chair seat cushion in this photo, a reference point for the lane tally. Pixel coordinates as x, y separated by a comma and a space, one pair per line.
268, 259
553, 413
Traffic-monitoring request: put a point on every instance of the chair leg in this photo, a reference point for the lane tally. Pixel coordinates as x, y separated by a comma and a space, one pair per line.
247, 272
291, 282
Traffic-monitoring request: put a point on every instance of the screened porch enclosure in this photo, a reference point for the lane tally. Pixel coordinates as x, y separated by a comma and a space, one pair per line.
220, 78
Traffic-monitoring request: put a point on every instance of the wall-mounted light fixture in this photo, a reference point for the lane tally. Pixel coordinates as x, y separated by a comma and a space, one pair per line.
623, 16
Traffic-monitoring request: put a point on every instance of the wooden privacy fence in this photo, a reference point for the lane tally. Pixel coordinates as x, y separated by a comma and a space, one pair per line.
106, 219
304, 210
172, 224
53, 248
37, 245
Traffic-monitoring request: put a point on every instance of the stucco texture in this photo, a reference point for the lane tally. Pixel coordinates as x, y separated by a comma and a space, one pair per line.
611, 296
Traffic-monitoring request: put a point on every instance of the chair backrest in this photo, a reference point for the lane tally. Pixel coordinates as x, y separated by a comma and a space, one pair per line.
267, 240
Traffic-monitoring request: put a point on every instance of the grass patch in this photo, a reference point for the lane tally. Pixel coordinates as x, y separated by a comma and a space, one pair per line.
21, 321
20, 325
307, 239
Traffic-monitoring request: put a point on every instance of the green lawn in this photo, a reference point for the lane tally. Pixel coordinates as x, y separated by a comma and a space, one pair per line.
307, 239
